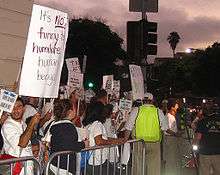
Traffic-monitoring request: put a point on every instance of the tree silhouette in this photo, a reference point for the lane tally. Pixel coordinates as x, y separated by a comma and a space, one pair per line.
197, 73
101, 45
173, 40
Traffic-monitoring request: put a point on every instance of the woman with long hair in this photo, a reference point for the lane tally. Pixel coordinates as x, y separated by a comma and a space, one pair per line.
94, 119
64, 136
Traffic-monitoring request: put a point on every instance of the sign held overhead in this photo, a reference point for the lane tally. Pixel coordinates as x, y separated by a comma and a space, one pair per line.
44, 54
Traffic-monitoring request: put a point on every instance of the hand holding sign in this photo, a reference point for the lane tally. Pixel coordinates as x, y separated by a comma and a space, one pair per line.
7, 100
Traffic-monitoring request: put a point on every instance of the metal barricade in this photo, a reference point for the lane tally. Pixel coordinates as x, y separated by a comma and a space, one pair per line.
101, 160
12, 161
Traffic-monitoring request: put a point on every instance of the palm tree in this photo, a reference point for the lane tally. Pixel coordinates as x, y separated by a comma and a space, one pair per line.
173, 40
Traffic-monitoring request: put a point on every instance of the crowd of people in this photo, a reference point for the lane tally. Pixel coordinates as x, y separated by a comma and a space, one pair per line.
39, 129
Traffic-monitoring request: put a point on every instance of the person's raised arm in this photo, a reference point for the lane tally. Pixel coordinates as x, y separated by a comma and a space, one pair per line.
27, 134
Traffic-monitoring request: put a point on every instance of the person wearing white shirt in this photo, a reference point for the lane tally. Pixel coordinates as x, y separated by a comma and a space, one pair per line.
16, 135
93, 121
111, 132
171, 142
30, 110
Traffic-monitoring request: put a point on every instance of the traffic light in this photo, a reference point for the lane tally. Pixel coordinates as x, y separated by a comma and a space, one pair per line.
141, 39
150, 37
90, 85
134, 40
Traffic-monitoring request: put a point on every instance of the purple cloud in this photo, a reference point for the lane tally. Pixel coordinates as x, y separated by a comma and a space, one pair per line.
197, 25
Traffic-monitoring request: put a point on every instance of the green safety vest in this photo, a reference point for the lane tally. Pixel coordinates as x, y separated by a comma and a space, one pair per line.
147, 124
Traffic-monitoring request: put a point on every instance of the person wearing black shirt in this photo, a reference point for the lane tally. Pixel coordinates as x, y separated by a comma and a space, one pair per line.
64, 136
208, 139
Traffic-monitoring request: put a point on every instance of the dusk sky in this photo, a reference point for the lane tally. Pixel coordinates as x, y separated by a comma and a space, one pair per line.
197, 22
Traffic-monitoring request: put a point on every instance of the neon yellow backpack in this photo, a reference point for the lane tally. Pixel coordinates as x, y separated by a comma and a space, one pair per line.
147, 124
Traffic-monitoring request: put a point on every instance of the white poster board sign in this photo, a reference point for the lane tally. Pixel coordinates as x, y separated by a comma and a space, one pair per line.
7, 100
75, 80
73, 65
137, 82
125, 105
108, 83
44, 54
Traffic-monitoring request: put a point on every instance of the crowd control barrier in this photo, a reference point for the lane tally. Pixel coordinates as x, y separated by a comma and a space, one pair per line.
8, 165
119, 160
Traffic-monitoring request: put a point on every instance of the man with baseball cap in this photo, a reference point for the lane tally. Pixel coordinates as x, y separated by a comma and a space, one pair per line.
147, 126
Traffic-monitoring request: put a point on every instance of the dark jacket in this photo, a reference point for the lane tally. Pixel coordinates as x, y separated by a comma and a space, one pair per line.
65, 138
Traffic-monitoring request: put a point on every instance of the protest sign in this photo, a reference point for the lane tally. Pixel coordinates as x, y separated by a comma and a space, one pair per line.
108, 83
44, 54
88, 95
64, 92
75, 80
73, 65
125, 105
137, 82
116, 89
7, 100
115, 106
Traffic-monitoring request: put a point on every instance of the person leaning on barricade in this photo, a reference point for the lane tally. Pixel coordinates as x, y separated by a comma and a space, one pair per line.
172, 155
111, 132
93, 121
64, 137
16, 136
146, 122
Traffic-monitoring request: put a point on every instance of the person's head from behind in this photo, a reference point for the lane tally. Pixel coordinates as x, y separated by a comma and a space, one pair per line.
137, 103
74, 96
172, 106
94, 112
33, 101
18, 110
102, 96
108, 109
148, 98
63, 109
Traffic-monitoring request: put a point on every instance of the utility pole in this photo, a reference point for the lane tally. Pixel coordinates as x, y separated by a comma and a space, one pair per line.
144, 17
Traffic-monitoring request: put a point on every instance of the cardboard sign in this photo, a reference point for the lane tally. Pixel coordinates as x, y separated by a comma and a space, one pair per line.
108, 83
125, 105
75, 80
7, 100
73, 65
44, 54
137, 82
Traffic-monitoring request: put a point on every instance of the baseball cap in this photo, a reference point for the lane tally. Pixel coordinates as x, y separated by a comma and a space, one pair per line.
149, 96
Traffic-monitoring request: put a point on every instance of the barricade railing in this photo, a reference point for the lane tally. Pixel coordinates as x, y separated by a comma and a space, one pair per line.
117, 159
10, 165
